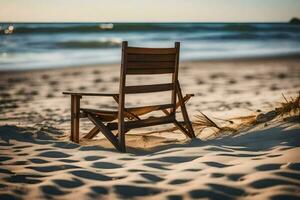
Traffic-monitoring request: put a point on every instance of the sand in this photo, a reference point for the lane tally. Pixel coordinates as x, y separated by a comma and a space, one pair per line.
257, 162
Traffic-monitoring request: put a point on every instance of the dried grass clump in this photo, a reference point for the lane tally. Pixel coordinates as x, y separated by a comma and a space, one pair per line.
203, 121
291, 106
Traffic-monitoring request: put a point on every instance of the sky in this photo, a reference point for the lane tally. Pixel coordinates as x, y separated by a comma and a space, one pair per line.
148, 10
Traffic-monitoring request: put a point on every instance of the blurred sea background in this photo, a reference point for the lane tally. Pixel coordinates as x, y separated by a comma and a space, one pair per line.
49, 45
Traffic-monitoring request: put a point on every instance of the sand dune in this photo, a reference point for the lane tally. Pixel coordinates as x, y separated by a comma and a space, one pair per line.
261, 162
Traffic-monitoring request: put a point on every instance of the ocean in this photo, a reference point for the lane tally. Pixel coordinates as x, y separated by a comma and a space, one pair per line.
49, 45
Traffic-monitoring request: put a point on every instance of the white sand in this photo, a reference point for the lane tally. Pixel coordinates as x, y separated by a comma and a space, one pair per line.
262, 162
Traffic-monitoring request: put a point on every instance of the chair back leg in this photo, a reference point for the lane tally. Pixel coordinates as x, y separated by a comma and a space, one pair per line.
184, 112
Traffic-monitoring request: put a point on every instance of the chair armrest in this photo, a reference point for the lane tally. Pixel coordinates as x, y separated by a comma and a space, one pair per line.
90, 94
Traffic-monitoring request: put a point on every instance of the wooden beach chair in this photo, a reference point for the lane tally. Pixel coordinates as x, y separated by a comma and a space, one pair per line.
135, 61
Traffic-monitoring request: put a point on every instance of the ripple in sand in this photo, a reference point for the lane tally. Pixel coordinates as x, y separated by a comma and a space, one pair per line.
54, 154
294, 166
176, 159
92, 158
126, 191
152, 177
90, 175
52, 190
53, 168
99, 190
201, 193
268, 167
38, 161
66, 145
106, 165
227, 189
5, 171
241, 155
269, 182
217, 175
285, 197
216, 164
20, 162
9, 196
235, 177
68, 183
156, 166
22, 147
68, 160
179, 181
5, 158
174, 197
28, 179
289, 175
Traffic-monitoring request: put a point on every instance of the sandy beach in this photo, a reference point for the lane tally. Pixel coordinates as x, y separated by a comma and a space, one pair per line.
257, 161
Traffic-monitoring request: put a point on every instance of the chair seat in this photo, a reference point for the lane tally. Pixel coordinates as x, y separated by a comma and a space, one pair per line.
104, 115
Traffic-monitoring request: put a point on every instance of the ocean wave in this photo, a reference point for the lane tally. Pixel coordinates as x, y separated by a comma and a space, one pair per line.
74, 44
146, 27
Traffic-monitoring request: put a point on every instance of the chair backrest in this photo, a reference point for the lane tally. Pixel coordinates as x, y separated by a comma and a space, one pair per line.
141, 61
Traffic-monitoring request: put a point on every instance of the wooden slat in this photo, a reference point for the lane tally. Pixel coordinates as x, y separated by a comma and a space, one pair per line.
150, 65
143, 123
138, 50
90, 93
148, 88
137, 71
150, 108
150, 57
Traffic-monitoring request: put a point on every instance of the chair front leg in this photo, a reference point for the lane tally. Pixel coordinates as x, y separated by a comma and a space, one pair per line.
75, 116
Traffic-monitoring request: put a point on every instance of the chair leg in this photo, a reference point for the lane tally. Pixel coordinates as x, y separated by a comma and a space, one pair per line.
106, 132
92, 133
184, 112
75, 111
121, 137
